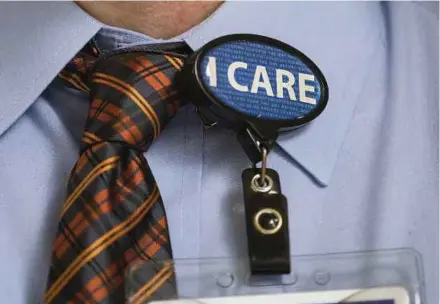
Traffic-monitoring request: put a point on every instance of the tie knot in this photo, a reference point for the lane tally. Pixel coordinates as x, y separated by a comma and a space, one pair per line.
133, 96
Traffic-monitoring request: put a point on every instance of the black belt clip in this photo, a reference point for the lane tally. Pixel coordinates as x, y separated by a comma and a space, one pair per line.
266, 223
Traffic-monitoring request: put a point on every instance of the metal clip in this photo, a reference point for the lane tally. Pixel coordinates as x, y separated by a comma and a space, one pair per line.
263, 182
252, 145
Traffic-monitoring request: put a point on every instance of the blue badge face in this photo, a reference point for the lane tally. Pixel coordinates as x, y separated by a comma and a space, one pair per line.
263, 78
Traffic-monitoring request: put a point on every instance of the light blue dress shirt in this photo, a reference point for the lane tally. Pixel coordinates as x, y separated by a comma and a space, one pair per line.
362, 176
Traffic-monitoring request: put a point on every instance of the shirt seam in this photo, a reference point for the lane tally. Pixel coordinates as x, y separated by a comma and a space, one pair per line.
365, 78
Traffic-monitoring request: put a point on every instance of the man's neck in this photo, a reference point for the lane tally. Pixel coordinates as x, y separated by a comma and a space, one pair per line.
155, 19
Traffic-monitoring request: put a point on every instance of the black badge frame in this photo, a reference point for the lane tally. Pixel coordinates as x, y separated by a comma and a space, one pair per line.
194, 88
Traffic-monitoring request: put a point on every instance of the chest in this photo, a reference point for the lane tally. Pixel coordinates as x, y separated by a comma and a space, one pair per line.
198, 172
382, 193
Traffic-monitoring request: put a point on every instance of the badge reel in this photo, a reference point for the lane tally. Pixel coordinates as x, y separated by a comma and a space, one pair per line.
259, 87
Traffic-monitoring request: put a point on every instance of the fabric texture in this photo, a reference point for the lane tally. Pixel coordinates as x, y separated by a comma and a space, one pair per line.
113, 217
375, 145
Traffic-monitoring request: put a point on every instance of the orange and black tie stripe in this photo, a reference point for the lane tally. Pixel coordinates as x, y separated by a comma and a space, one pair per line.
113, 217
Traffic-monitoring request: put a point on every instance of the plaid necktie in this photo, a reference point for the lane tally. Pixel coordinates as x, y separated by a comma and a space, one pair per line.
113, 216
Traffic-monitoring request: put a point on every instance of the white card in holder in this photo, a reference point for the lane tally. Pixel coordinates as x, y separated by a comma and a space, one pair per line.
341, 277
380, 295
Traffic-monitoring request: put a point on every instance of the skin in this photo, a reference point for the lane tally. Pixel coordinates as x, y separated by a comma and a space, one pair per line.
161, 19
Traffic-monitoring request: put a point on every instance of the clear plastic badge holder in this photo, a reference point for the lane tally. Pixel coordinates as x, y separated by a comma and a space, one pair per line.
227, 277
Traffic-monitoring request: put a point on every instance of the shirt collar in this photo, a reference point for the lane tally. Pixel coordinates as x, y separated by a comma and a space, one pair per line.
45, 36
315, 148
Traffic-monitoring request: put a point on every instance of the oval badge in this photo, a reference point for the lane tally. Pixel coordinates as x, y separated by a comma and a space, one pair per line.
262, 79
